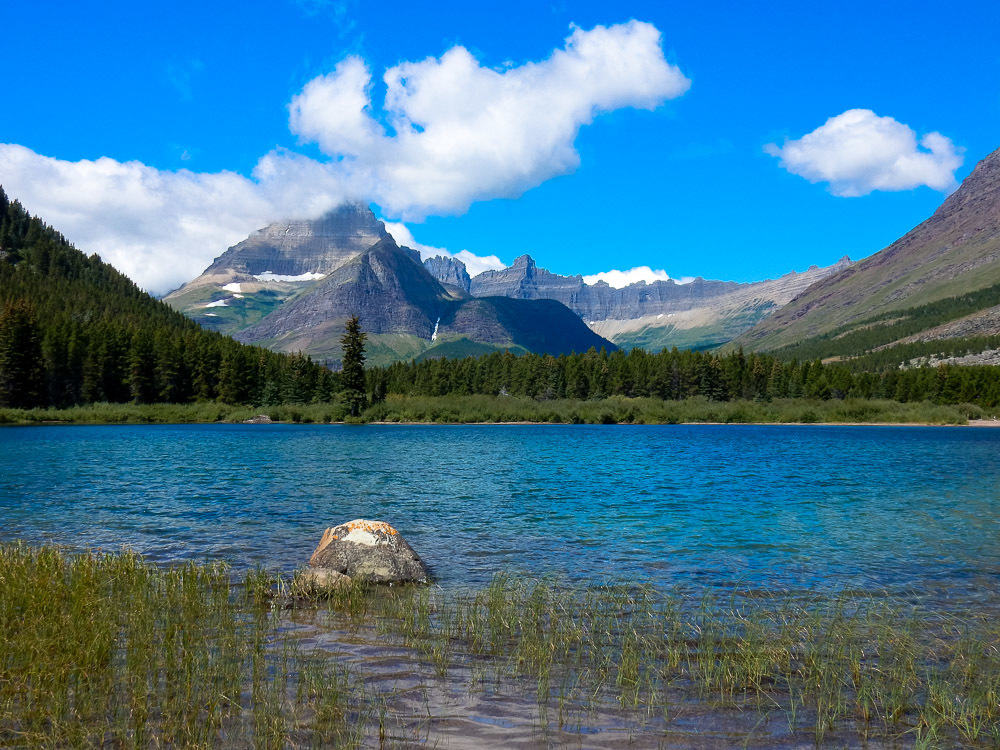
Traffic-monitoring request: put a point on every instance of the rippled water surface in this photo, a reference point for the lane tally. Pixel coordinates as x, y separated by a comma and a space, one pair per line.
777, 506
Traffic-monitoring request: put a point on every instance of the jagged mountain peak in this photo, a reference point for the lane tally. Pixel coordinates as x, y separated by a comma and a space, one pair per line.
299, 246
405, 309
449, 271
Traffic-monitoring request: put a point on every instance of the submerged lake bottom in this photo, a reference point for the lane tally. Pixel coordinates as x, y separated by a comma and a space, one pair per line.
760, 521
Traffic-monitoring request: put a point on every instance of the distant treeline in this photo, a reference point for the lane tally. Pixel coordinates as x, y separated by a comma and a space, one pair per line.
74, 330
679, 375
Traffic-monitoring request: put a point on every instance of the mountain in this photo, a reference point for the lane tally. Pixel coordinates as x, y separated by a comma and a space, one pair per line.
941, 280
713, 320
275, 264
292, 285
698, 314
450, 272
74, 330
296, 248
406, 312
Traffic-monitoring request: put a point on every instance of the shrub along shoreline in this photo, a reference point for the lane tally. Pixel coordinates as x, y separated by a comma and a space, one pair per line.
480, 409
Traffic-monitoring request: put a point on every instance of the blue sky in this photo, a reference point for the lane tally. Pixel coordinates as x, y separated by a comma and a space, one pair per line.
682, 184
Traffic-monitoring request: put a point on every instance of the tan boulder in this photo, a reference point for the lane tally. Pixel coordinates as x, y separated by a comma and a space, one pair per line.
368, 551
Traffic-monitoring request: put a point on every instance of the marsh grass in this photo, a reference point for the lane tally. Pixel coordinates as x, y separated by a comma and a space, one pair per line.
107, 649
621, 410
472, 409
855, 665
202, 412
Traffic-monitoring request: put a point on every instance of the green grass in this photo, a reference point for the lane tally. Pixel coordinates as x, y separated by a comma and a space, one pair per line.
205, 412
621, 410
459, 348
109, 650
481, 408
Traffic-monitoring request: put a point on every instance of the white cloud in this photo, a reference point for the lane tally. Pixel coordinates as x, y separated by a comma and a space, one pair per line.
464, 132
458, 132
857, 152
620, 279
474, 264
162, 228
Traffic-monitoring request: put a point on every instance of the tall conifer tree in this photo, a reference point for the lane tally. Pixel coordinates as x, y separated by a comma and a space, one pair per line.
352, 376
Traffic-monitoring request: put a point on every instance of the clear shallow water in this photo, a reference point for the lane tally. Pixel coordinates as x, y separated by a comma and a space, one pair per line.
779, 506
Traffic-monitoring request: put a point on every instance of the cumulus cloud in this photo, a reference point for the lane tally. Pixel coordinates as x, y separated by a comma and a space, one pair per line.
162, 228
858, 152
620, 279
449, 132
474, 264
463, 132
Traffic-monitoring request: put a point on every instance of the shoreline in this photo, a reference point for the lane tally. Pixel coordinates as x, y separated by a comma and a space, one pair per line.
973, 423
494, 410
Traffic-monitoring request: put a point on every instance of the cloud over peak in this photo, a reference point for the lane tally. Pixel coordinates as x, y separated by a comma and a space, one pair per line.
620, 279
450, 132
474, 264
858, 152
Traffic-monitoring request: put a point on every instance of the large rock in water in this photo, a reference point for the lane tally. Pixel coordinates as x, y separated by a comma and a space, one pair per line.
370, 551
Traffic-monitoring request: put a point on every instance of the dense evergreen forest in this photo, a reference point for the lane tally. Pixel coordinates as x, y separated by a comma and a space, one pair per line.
679, 375
74, 330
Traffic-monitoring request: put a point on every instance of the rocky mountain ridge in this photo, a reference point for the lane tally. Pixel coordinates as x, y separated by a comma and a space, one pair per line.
660, 314
296, 248
406, 311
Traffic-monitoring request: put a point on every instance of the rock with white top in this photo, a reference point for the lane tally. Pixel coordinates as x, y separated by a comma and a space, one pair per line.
368, 551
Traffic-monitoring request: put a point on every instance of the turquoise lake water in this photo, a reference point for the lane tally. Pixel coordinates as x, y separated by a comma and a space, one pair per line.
797, 507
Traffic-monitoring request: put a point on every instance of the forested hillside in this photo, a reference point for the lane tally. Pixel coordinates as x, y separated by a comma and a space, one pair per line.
74, 330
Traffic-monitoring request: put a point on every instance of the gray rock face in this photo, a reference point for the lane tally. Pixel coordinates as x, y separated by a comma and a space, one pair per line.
525, 280
292, 248
449, 271
385, 287
369, 551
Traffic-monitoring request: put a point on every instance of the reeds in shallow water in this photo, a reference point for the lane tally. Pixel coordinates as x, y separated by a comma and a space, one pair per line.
826, 668
107, 649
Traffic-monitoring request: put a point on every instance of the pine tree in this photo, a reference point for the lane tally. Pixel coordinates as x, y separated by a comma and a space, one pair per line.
21, 370
352, 376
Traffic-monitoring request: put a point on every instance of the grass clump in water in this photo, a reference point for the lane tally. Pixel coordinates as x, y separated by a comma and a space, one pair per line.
108, 649
828, 669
